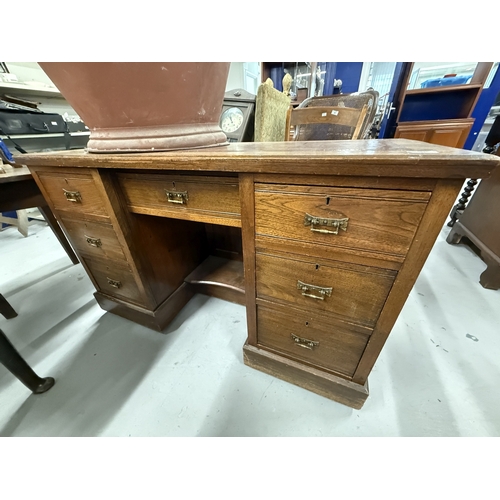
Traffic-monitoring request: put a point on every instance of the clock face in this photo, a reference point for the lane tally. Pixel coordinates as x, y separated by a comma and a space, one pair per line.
231, 120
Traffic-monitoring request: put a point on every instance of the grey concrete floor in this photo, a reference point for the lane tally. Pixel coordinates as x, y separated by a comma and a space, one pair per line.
437, 374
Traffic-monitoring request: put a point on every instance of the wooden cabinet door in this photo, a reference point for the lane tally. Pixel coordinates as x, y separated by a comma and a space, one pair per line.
451, 133
408, 133
454, 137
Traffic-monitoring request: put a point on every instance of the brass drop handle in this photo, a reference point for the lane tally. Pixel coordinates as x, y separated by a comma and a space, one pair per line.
336, 224
73, 196
114, 283
321, 290
180, 197
93, 242
305, 343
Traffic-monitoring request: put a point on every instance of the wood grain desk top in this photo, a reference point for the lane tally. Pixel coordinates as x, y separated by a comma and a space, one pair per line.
390, 157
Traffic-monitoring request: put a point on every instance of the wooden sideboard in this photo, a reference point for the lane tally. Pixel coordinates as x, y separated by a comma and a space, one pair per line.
321, 241
479, 226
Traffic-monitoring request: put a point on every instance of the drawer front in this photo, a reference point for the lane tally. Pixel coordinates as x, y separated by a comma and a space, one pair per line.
114, 279
335, 346
190, 197
375, 220
94, 238
348, 292
73, 193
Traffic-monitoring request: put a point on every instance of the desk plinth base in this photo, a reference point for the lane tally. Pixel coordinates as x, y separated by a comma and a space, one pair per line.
157, 319
325, 384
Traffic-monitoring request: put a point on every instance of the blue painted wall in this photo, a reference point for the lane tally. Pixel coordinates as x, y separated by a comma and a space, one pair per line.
350, 74
483, 106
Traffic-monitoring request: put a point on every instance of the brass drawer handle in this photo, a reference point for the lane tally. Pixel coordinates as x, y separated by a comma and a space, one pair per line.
114, 283
307, 289
341, 223
305, 343
73, 196
93, 242
180, 197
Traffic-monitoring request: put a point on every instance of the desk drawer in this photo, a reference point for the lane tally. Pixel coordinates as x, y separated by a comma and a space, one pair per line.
374, 220
348, 292
114, 279
94, 238
336, 346
72, 192
204, 199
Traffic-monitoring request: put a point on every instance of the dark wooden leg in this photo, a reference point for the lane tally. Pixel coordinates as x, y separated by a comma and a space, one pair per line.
54, 225
13, 361
490, 278
6, 309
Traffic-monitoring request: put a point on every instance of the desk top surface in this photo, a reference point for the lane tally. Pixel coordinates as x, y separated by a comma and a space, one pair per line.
386, 157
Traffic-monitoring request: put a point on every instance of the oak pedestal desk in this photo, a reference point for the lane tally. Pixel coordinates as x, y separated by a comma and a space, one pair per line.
321, 241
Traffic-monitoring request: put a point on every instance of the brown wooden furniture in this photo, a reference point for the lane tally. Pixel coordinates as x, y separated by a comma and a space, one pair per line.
479, 225
440, 115
447, 133
18, 191
12, 360
368, 99
325, 123
321, 240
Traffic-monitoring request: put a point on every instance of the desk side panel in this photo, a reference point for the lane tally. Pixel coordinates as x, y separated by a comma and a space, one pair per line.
434, 217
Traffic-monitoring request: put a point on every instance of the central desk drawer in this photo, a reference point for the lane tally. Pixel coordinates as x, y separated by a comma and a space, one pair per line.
204, 199
374, 220
345, 291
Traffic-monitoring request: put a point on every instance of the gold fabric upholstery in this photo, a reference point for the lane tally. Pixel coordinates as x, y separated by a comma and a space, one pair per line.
270, 113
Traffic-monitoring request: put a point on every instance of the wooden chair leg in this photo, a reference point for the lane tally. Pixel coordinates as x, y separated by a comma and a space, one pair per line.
12, 360
56, 228
23, 223
20, 221
6, 309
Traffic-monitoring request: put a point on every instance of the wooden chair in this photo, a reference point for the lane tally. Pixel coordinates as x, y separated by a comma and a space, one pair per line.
325, 123
368, 98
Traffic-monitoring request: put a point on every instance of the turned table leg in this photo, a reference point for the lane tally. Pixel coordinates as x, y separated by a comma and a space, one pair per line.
12, 360
462, 202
